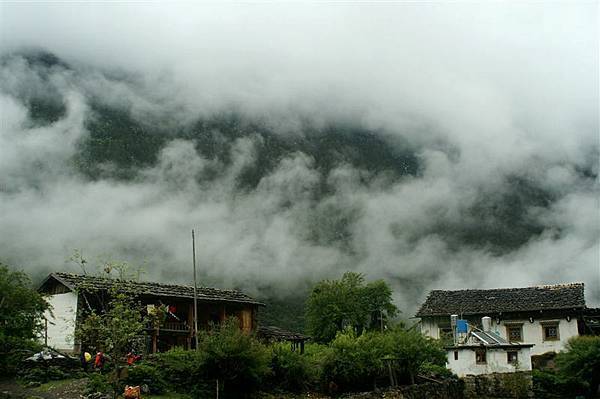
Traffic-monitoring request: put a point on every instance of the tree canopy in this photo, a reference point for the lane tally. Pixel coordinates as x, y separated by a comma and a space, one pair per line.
349, 302
21, 314
582, 360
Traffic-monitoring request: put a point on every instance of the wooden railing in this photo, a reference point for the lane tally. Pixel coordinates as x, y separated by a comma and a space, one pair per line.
171, 326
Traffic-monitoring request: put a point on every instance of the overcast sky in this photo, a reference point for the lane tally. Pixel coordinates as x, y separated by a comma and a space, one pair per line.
512, 87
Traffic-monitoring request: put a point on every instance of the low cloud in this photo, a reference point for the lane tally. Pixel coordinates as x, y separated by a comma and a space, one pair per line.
468, 155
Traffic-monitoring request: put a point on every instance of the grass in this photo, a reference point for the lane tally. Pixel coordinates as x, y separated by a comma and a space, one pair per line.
167, 395
53, 385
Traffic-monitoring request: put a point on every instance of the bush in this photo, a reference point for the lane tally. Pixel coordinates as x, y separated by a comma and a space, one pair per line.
354, 363
435, 371
146, 374
180, 369
581, 361
549, 384
357, 362
237, 359
20, 349
98, 383
291, 371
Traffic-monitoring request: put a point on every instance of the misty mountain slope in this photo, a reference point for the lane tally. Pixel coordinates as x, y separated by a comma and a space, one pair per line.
113, 163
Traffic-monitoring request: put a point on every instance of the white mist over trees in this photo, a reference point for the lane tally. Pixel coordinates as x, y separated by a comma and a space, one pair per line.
429, 145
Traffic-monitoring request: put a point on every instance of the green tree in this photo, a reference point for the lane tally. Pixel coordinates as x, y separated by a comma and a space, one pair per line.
116, 331
21, 314
582, 361
349, 302
411, 350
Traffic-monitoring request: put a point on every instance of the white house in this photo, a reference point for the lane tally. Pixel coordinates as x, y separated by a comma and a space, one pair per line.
545, 316
485, 352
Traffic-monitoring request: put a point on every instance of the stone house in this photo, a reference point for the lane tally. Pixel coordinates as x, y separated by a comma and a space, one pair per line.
545, 316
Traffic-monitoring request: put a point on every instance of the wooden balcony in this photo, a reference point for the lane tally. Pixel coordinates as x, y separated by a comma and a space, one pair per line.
171, 326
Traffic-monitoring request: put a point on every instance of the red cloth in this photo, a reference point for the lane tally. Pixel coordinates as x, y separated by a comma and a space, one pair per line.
99, 361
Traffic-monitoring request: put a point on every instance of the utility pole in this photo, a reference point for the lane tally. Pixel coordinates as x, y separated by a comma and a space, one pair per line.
195, 289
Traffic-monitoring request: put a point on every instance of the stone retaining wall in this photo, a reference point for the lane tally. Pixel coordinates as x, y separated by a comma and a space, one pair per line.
499, 386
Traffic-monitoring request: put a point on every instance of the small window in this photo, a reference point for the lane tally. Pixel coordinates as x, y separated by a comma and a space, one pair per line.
550, 332
455, 355
446, 335
514, 333
512, 357
480, 357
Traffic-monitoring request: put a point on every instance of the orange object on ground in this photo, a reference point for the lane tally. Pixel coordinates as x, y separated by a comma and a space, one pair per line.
132, 392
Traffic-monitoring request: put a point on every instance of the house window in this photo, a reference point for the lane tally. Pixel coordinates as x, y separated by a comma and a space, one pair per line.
480, 356
514, 333
550, 332
512, 357
446, 335
455, 355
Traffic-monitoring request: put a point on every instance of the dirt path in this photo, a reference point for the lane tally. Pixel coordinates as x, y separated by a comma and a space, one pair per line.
65, 389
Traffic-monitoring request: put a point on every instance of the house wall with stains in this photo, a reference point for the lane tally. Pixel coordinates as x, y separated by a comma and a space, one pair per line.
463, 361
60, 321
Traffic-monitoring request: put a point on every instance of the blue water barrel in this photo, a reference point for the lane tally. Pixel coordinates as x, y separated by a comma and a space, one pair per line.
462, 326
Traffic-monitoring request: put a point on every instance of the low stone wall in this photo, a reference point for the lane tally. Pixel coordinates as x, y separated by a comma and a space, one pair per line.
449, 389
499, 386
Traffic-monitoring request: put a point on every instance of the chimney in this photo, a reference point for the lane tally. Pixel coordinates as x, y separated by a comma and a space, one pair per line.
486, 324
453, 319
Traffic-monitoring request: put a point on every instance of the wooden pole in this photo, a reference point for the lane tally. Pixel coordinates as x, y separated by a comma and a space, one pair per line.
195, 289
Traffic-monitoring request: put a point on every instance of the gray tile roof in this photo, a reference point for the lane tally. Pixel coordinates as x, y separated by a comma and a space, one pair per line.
90, 283
273, 333
503, 300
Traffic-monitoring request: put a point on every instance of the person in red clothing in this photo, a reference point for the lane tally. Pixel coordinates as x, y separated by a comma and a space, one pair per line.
99, 361
132, 358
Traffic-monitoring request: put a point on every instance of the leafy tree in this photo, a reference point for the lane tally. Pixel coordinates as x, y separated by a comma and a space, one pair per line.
582, 361
411, 350
115, 331
336, 304
21, 315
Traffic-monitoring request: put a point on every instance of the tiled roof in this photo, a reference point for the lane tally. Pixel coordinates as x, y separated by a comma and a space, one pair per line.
503, 300
272, 333
91, 283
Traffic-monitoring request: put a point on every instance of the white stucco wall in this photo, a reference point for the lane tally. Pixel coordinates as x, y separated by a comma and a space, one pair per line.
496, 362
429, 327
61, 326
532, 332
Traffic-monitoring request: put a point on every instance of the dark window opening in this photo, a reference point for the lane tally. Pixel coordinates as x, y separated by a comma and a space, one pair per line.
512, 357
480, 357
551, 332
455, 355
515, 333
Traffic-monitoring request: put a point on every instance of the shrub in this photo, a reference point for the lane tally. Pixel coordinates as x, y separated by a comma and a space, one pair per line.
581, 361
181, 369
237, 359
354, 362
411, 349
291, 371
549, 384
435, 371
98, 383
146, 374
359, 362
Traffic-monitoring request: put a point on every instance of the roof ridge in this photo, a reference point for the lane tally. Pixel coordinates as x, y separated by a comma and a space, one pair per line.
141, 282
573, 284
